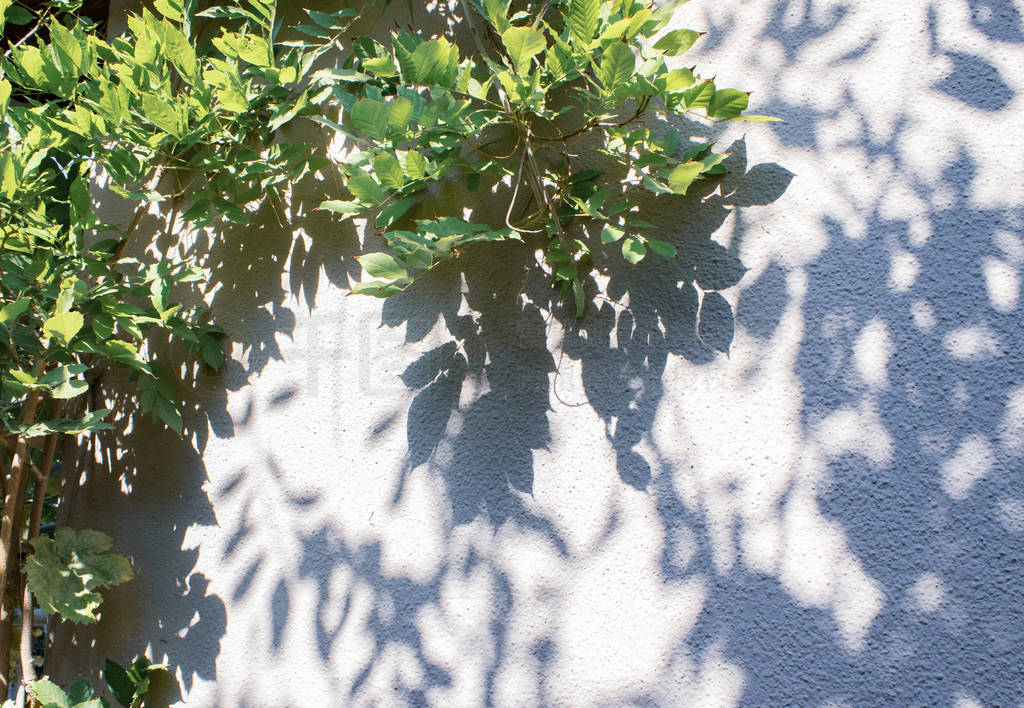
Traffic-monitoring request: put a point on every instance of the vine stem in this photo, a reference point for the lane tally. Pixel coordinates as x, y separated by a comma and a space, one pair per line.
10, 538
28, 669
532, 168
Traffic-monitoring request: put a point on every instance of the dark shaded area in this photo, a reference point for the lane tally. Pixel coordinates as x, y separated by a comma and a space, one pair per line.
128, 485
973, 80
999, 20
761, 305
95, 10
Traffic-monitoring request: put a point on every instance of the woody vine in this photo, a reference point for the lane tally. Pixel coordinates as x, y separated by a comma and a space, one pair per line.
181, 116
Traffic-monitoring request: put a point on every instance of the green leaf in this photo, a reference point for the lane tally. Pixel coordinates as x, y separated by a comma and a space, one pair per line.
8, 174
103, 325
394, 211
400, 113
662, 248
35, 67
179, 50
381, 66
80, 691
12, 311
671, 142
436, 62
617, 66
376, 288
254, 50
415, 165
496, 11
759, 119
611, 234
5, 95
364, 187
677, 41
383, 265
404, 45
91, 422
160, 112
333, 20
389, 171
370, 117
119, 682
171, 9
14, 14
64, 573
49, 694
63, 382
680, 178
679, 79
145, 51
578, 296
522, 45
69, 45
633, 250
211, 351
63, 326
341, 207
728, 103
334, 76
581, 18
699, 96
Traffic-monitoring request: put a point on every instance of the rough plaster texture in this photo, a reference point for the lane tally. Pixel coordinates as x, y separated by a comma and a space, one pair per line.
832, 514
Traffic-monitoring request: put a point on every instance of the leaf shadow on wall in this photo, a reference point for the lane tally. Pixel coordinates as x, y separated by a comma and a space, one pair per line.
484, 396
913, 324
165, 612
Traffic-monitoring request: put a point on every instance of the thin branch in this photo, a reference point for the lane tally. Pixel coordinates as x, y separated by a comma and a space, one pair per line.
39, 24
139, 212
28, 669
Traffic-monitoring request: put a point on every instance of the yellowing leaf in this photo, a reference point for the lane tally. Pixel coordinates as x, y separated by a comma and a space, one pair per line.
63, 573
64, 326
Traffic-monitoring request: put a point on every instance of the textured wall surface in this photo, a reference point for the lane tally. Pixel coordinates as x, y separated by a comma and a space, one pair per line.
459, 497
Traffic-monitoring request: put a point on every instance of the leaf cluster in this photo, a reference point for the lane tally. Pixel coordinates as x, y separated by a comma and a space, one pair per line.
552, 81
128, 686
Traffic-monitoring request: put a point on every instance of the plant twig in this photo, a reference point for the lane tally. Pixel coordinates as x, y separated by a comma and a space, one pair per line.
10, 537
28, 669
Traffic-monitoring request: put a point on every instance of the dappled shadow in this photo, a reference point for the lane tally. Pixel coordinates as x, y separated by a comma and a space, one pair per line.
780, 469
504, 319
166, 612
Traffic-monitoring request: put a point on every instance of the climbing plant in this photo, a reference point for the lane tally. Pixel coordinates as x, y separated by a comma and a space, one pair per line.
181, 117
535, 86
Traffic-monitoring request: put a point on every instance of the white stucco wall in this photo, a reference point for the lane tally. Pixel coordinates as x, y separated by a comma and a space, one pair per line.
832, 514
